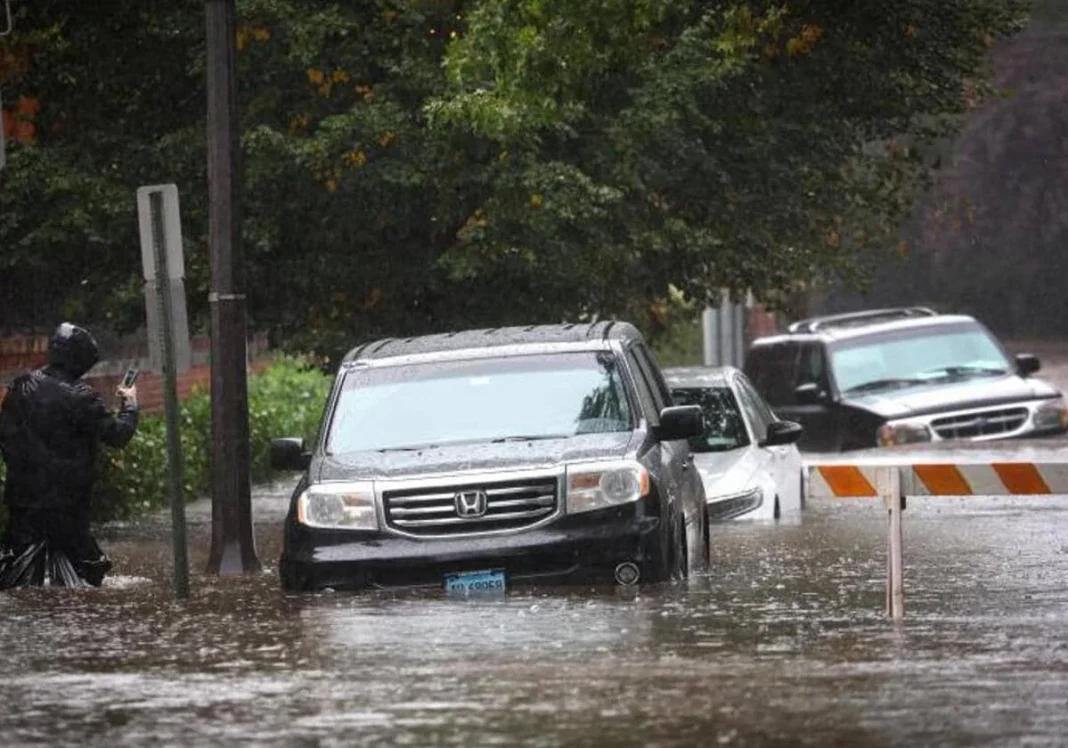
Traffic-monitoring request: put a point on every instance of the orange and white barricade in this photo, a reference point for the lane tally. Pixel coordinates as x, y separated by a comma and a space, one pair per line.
893, 482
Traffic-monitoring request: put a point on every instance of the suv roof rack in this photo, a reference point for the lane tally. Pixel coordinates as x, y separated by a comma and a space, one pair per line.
851, 319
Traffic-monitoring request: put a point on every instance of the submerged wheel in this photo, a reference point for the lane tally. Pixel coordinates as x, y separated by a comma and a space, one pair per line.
682, 552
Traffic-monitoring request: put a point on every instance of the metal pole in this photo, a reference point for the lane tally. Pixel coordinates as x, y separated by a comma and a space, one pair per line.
233, 547
890, 488
709, 335
175, 469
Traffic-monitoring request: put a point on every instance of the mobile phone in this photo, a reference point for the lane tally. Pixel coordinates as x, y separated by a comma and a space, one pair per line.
130, 377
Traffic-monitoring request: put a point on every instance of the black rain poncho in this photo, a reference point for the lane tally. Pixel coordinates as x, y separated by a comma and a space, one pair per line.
51, 426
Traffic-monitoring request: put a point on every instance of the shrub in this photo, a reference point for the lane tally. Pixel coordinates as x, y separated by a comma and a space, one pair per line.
285, 399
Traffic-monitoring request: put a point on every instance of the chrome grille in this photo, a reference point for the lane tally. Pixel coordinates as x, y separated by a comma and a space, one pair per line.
510, 505
979, 424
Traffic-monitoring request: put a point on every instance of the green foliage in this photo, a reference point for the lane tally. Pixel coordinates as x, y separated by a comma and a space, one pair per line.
417, 165
286, 399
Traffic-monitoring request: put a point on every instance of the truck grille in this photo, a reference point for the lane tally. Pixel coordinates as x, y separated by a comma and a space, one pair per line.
984, 423
506, 505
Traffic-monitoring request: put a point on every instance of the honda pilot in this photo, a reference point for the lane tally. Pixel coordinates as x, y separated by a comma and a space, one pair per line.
477, 460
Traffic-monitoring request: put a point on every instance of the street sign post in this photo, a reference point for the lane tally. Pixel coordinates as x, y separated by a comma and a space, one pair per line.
174, 276
161, 253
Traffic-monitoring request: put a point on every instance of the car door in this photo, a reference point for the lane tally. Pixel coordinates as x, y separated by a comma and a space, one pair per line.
814, 403
757, 417
679, 475
784, 459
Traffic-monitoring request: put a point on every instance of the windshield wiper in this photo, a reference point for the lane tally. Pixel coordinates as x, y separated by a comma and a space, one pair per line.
964, 371
882, 384
528, 438
410, 448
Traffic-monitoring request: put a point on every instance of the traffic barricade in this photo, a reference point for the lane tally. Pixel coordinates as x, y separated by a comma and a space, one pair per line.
894, 482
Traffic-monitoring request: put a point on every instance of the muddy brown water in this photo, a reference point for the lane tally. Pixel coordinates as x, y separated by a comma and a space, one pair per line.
783, 643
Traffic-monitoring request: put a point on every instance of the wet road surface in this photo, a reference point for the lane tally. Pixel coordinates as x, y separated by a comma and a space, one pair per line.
784, 643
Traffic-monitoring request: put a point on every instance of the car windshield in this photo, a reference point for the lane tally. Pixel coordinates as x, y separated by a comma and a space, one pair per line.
516, 398
918, 357
724, 424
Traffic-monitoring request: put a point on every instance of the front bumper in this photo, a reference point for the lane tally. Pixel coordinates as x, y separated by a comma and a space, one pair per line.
583, 547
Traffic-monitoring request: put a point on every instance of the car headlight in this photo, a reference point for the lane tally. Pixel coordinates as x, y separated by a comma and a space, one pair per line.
591, 487
751, 496
890, 434
1051, 414
338, 506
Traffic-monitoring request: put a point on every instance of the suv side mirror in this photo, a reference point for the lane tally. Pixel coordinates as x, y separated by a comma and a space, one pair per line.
289, 454
810, 393
1027, 364
781, 433
680, 422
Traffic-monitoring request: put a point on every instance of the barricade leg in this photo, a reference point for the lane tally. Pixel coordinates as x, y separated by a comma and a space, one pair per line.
889, 480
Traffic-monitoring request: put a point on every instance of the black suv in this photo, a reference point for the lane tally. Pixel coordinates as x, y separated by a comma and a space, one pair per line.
477, 459
901, 376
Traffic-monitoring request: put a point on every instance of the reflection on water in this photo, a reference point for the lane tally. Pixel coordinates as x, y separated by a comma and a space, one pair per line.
784, 643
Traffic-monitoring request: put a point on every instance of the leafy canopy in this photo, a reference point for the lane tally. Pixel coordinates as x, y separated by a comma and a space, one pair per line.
412, 165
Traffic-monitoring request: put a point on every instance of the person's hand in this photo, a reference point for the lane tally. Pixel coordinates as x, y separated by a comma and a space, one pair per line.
128, 394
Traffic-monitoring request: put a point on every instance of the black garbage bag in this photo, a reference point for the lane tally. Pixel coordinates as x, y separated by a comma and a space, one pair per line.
24, 569
38, 564
51, 547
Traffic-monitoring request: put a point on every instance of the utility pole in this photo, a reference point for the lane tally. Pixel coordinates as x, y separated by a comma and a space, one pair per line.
233, 548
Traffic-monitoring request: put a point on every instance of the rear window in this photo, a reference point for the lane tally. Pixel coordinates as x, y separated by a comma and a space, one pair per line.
484, 400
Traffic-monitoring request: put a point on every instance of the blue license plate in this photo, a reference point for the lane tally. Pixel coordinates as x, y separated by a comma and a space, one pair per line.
476, 583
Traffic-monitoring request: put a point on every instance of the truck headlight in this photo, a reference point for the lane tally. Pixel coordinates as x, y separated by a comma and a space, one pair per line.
1051, 414
338, 506
890, 434
600, 486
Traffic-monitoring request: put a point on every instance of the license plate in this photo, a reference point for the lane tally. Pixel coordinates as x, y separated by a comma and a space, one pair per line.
476, 583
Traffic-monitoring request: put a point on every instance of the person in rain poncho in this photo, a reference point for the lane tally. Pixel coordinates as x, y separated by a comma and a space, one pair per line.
51, 425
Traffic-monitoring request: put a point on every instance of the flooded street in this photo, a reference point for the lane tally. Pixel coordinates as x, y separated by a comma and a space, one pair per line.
785, 643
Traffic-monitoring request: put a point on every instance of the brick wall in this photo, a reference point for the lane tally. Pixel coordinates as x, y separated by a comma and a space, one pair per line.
761, 322
21, 352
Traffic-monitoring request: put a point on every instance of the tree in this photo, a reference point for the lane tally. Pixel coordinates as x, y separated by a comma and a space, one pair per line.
705, 145
434, 164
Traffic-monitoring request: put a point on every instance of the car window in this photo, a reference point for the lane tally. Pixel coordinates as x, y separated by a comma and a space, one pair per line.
646, 388
917, 356
771, 369
812, 365
724, 427
660, 387
767, 413
756, 411
525, 397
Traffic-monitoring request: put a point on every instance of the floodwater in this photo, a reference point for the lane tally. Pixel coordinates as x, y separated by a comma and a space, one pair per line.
784, 643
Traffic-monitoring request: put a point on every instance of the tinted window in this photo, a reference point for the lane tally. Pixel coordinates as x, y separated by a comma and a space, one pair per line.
646, 388
771, 369
812, 365
724, 427
917, 356
481, 400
